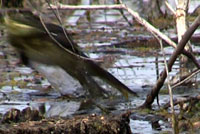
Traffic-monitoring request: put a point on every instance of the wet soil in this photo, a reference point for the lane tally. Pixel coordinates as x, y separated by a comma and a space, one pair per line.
85, 124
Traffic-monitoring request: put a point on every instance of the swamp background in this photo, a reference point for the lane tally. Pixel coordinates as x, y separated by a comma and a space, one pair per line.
130, 53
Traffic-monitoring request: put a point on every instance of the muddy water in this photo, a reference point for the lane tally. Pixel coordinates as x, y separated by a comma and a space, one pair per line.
23, 87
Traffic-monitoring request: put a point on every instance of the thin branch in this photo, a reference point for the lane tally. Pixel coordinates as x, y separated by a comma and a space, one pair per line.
154, 92
123, 15
51, 36
169, 88
185, 100
86, 7
187, 78
170, 7
168, 80
61, 24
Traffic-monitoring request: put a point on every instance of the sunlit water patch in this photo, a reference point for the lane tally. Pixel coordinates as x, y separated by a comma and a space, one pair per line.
145, 127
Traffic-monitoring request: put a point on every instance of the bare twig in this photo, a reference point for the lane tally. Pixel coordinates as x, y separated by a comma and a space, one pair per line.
187, 78
169, 88
61, 24
122, 13
87, 7
68, 51
168, 80
170, 7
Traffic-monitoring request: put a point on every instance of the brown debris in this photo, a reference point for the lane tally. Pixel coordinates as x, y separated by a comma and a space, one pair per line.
84, 124
15, 115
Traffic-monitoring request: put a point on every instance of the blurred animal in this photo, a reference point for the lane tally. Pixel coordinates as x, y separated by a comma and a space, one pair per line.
50, 44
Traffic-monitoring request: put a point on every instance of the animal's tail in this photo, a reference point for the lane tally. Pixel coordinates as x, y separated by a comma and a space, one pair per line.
95, 70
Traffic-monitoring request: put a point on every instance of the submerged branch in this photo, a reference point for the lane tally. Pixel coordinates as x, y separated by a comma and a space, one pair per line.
181, 101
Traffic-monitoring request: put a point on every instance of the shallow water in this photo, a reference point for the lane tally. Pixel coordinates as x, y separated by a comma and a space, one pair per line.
137, 72
145, 127
140, 78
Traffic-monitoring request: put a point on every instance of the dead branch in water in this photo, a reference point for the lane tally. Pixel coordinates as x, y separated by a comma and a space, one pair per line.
154, 92
182, 101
